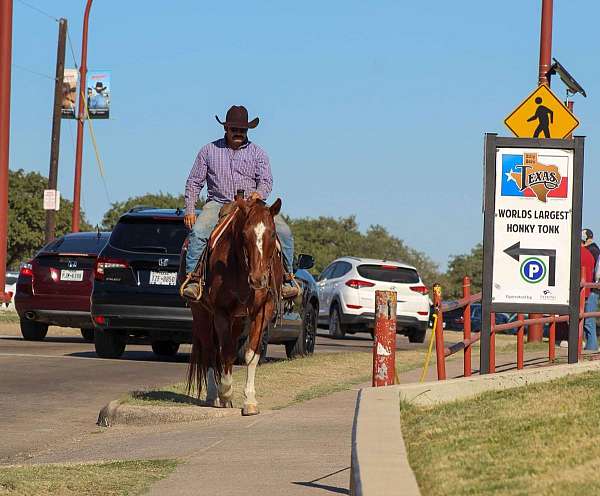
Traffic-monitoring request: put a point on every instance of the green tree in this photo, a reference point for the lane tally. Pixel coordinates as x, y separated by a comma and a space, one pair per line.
459, 266
157, 200
327, 238
27, 217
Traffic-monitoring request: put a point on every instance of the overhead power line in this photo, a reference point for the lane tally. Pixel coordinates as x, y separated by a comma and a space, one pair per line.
33, 7
20, 67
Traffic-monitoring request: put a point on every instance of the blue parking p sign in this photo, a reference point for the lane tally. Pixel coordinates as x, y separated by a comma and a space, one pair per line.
533, 270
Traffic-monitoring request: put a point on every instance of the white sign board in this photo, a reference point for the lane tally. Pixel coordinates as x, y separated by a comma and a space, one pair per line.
532, 226
51, 199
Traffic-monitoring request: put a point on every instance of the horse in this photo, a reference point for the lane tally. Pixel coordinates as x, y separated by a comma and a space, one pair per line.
243, 282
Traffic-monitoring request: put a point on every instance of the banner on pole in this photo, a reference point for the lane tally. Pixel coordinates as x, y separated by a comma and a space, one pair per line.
69, 93
98, 94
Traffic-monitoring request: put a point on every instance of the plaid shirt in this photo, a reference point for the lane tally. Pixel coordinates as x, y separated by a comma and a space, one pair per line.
225, 170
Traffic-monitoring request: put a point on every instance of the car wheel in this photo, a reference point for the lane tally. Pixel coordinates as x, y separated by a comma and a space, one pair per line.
165, 348
88, 335
416, 335
108, 343
33, 331
305, 343
336, 330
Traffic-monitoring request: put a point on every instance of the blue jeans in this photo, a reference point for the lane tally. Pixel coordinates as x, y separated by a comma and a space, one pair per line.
206, 222
589, 326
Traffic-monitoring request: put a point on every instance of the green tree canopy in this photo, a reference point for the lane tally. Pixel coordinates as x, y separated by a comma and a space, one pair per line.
27, 217
459, 266
327, 238
157, 200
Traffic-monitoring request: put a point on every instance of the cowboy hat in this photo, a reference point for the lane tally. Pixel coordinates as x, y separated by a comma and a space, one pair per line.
237, 116
100, 86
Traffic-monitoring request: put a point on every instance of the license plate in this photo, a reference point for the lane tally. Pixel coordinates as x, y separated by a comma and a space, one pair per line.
71, 275
163, 278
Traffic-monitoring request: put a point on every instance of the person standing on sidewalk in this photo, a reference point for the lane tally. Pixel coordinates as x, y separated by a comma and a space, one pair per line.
591, 303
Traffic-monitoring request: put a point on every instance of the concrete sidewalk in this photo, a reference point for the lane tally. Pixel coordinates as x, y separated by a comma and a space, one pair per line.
300, 450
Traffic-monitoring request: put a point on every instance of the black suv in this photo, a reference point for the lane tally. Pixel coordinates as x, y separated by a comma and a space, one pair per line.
136, 298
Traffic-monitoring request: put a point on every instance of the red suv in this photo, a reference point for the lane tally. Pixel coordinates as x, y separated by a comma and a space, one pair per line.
55, 287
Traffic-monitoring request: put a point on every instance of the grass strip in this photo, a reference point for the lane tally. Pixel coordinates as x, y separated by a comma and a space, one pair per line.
538, 439
118, 478
8, 317
283, 383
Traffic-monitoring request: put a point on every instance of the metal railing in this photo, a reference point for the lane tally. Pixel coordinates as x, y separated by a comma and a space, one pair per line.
469, 338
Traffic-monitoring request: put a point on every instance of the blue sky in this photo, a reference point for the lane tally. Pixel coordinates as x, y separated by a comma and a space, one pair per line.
376, 109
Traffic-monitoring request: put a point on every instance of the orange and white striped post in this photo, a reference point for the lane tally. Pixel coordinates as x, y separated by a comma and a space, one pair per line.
384, 344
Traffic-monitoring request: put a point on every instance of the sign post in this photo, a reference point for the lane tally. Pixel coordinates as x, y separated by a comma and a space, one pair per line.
532, 222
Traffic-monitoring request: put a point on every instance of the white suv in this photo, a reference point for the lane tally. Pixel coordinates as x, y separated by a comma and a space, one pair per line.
347, 296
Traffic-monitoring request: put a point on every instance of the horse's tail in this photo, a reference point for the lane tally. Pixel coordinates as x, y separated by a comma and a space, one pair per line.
205, 354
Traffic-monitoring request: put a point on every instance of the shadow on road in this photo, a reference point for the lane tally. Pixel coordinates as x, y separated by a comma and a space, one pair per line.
333, 489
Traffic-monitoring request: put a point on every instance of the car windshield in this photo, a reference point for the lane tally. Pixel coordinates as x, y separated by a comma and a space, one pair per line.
149, 235
389, 273
77, 244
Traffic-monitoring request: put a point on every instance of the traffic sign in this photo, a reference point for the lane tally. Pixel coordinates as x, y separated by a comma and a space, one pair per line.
541, 115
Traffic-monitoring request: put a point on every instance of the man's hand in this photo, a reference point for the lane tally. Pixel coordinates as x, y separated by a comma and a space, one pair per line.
189, 220
255, 196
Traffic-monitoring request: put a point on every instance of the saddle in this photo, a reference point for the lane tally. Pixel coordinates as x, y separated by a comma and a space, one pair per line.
200, 273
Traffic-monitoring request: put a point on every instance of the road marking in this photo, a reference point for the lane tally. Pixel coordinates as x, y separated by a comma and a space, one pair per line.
108, 360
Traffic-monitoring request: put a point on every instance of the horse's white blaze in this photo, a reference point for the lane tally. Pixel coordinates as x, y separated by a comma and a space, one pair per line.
259, 230
251, 362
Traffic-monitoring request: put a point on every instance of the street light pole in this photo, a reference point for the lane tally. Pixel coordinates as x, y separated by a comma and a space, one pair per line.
80, 120
545, 43
536, 331
6, 14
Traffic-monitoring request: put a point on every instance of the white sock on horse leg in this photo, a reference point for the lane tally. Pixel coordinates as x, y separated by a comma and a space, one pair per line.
252, 359
226, 387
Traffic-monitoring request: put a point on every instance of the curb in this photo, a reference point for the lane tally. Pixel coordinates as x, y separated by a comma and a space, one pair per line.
117, 413
436, 392
379, 462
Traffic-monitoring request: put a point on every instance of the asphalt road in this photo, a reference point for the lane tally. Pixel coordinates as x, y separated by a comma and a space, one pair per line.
52, 391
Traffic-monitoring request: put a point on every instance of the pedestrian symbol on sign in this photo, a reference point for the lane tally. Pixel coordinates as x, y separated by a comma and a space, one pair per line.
533, 270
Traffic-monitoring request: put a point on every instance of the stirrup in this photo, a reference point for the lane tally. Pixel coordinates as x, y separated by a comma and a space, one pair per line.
186, 282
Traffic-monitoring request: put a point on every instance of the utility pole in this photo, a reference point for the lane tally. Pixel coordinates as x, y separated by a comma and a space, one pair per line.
6, 14
80, 120
56, 119
536, 331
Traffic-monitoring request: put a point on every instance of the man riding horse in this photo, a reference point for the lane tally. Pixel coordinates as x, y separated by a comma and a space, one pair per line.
227, 165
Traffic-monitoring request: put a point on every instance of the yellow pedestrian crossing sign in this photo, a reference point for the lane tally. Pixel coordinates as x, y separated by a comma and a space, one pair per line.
541, 115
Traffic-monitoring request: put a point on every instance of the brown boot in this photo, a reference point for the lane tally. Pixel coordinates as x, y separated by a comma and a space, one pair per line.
192, 291
290, 288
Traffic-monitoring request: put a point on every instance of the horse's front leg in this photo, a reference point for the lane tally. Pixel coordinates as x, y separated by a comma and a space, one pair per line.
252, 356
212, 398
228, 331
250, 404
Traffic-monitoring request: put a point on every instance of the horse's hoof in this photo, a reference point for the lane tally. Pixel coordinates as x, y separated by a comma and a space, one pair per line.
250, 410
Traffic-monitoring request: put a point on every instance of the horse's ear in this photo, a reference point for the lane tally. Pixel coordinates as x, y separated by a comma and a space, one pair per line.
276, 207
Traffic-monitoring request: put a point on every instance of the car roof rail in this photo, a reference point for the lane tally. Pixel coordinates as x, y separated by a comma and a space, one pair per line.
139, 208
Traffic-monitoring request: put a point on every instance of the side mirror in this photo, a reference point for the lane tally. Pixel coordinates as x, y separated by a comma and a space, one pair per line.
305, 261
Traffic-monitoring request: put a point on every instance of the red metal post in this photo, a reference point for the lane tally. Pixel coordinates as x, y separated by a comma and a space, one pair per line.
493, 344
6, 14
80, 120
552, 341
536, 331
384, 344
545, 43
467, 326
439, 333
520, 343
